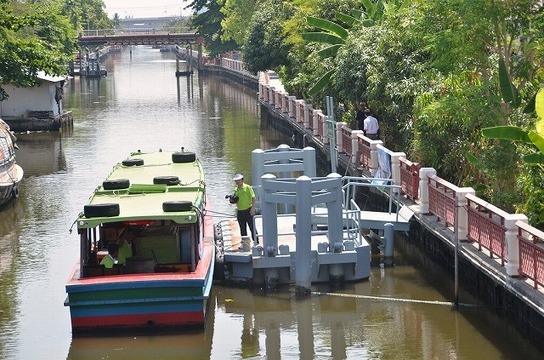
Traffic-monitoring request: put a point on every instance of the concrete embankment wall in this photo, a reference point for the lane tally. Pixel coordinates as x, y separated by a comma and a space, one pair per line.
251, 81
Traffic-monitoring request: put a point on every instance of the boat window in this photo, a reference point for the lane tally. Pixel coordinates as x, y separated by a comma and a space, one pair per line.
5, 150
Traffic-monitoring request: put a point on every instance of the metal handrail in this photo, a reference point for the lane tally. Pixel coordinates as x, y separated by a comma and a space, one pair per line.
352, 182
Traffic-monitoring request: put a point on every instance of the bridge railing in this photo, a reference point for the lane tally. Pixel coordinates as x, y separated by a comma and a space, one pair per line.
136, 30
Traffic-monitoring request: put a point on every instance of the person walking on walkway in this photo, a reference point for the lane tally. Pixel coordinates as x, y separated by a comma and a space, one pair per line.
371, 126
245, 206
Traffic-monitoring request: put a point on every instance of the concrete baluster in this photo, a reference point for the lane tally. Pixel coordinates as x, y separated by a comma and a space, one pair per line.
512, 243
271, 91
424, 174
285, 103
374, 162
307, 112
278, 99
292, 106
395, 169
324, 129
338, 133
315, 126
355, 152
462, 212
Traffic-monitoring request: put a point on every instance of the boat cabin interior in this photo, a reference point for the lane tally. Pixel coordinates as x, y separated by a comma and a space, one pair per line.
153, 246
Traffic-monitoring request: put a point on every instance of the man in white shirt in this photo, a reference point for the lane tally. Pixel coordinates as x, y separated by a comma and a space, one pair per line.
370, 126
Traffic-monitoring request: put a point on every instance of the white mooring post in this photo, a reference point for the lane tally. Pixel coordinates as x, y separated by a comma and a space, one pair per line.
270, 214
334, 223
389, 239
303, 255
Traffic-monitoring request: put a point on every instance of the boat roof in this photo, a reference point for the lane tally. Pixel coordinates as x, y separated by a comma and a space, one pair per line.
134, 187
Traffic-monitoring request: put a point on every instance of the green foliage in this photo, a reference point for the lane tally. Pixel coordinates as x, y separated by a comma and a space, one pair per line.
531, 183
266, 47
237, 14
328, 27
33, 37
207, 23
507, 132
508, 91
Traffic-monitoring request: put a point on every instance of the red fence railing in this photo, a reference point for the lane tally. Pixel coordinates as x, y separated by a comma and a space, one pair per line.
442, 199
486, 226
409, 178
531, 253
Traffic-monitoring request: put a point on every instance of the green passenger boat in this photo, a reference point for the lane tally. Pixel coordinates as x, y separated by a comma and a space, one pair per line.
146, 247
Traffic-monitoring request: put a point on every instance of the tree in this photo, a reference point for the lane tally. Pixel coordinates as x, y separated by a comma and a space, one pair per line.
265, 47
334, 36
207, 23
33, 37
86, 14
237, 15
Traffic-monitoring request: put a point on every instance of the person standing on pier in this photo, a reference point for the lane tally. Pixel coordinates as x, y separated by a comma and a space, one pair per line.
245, 206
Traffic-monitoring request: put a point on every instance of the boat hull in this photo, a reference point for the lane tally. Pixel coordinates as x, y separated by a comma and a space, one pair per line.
141, 301
11, 174
9, 191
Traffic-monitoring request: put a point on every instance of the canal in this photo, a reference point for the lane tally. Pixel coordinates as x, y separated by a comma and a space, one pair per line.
141, 105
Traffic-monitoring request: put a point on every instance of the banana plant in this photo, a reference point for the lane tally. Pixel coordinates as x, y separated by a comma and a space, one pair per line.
335, 35
331, 34
515, 133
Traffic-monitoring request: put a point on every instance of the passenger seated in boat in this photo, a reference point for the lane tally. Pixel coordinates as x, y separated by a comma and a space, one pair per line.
125, 245
109, 260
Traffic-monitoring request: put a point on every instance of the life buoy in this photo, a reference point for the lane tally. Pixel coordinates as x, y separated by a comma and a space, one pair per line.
168, 180
101, 210
176, 206
115, 184
183, 157
133, 162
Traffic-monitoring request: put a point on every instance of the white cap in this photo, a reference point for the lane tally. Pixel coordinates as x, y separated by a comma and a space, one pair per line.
238, 177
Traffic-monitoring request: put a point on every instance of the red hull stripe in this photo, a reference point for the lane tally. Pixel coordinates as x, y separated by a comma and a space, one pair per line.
134, 321
129, 309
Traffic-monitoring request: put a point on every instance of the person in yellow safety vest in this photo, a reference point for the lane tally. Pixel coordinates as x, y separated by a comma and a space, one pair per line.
109, 260
246, 206
125, 245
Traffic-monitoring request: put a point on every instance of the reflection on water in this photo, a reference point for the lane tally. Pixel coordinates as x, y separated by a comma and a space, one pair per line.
142, 105
41, 153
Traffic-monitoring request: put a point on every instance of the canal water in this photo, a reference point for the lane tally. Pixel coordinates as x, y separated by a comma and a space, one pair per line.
141, 105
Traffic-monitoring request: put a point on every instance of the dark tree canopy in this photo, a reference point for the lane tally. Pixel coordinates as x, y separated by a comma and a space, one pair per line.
207, 23
266, 47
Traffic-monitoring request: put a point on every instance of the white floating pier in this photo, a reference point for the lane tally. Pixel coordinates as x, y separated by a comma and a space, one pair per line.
309, 229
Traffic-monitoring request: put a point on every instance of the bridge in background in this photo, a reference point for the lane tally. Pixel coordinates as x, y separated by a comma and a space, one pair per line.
104, 38
136, 37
